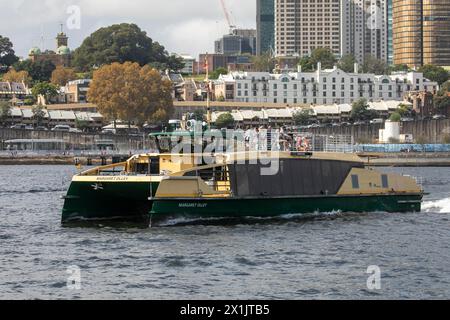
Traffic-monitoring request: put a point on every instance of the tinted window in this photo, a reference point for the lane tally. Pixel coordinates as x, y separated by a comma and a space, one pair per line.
385, 181
355, 181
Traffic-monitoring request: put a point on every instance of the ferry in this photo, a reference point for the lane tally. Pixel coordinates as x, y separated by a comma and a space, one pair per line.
124, 191
162, 185
299, 182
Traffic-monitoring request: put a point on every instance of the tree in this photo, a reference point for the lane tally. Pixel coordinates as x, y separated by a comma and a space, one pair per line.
38, 114
5, 112
216, 73
360, 111
61, 76
45, 89
445, 87
306, 64
83, 125
347, 63
17, 76
264, 62
435, 73
442, 103
395, 117
225, 120
374, 65
325, 56
198, 114
131, 93
302, 117
398, 67
121, 43
7, 54
40, 71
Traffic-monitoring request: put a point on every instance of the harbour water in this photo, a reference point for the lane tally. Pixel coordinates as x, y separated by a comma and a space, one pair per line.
325, 256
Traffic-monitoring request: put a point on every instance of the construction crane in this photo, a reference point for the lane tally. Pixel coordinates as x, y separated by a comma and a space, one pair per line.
227, 16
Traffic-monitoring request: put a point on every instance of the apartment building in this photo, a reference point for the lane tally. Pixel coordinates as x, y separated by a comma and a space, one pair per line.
304, 25
365, 29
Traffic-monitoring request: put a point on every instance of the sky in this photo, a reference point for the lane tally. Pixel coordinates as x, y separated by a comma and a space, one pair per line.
182, 26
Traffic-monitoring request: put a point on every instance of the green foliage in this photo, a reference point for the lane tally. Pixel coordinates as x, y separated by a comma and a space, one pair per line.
7, 54
221, 98
121, 43
38, 114
347, 63
5, 112
445, 88
323, 55
360, 111
306, 64
225, 120
302, 117
374, 65
398, 67
442, 103
264, 62
81, 124
29, 101
435, 73
40, 71
404, 110
216, 73
395, 117
47, 90
198, 114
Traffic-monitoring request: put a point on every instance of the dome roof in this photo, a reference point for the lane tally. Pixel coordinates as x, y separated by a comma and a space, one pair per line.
34, 51
63, 50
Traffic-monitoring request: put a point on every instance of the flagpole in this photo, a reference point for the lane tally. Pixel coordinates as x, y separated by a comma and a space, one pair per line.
208, 106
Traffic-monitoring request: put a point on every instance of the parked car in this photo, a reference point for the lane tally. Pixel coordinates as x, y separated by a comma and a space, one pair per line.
75, 130
439, 117
359, 123
407, 119
21, 126
376, 121
109, 131
62, 128
41, 128
346, 124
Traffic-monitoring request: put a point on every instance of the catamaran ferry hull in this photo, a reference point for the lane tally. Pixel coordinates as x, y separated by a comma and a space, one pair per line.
273, 207
100, 198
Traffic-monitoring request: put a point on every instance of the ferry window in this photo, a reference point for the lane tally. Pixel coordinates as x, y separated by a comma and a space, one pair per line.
384, 181
355, 181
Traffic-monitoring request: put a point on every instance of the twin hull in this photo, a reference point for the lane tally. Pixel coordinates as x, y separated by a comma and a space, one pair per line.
132, 201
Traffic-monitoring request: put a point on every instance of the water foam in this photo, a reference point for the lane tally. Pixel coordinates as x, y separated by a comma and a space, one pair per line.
439, 206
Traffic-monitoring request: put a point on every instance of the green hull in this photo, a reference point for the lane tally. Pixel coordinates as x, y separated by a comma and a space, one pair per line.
127, 202
272, 207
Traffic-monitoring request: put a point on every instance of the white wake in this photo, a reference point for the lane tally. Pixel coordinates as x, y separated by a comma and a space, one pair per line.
439, 206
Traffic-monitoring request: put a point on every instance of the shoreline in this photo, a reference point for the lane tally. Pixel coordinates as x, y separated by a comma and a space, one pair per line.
381, 160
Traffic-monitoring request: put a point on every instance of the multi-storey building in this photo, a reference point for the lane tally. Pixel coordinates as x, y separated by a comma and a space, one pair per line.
330, 86
421, 32
240, 41
364, 29
265, 26
304, 25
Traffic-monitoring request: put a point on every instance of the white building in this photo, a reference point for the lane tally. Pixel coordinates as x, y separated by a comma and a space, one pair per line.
321, 87
364, 25
188, 64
